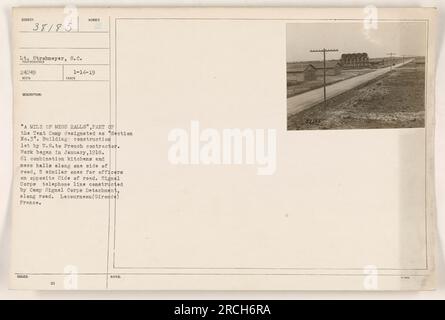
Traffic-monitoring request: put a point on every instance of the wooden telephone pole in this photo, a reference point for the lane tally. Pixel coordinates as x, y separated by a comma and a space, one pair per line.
404, 57
324, 50
391, 55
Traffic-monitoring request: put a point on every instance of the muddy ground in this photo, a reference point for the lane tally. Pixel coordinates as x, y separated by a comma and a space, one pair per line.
395, 100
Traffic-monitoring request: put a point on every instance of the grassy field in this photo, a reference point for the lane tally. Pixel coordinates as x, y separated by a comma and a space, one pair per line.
395, 100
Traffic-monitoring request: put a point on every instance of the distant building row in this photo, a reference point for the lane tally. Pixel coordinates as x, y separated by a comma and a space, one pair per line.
311, 71
355, 60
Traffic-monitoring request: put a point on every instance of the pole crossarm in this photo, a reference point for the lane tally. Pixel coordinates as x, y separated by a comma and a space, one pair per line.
324, 51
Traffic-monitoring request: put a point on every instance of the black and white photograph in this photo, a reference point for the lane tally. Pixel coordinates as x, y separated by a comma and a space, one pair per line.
352, 75
222, 160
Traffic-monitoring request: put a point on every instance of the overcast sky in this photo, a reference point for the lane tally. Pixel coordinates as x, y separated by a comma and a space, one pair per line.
402, 38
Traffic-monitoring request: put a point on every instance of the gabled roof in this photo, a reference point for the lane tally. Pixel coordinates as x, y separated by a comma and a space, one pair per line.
299, 68
329, 64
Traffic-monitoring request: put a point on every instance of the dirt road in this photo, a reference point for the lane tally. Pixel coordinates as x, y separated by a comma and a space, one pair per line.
311, 98
394, 100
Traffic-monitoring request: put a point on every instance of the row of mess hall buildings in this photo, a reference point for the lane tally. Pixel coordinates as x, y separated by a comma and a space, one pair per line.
307, 71
311, 71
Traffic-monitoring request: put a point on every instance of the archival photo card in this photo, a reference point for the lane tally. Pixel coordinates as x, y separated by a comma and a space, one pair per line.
356, 75
155, 149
